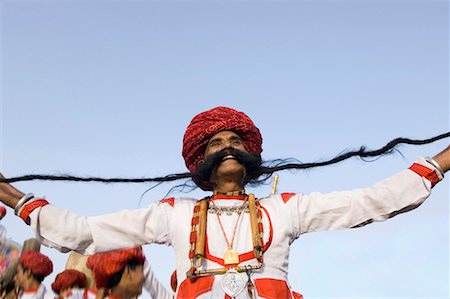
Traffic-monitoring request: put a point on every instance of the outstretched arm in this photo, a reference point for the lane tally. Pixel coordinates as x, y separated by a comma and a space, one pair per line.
397, 194
58, 228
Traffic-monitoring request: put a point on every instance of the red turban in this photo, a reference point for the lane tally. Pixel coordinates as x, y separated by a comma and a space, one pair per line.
38, 263
68, 279
105, 265
206, 124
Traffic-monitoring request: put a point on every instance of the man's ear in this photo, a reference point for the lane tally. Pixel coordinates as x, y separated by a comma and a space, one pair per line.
127, 275
28, 273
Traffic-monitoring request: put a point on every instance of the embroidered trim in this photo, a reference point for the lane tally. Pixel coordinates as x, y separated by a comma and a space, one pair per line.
228, 197
213, 209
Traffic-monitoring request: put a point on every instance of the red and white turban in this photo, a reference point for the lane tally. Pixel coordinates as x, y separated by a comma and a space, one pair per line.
206, 124
68, 279
38, 263
105, 265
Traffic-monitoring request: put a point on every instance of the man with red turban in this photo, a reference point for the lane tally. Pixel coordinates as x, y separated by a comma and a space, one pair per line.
123, 273
229, 245
119, 272
33, 267
70, 283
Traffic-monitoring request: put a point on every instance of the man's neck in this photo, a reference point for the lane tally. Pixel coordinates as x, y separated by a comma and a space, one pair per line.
32, 285
227, 186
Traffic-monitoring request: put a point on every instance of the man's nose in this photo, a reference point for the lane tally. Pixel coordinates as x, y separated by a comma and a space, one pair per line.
228, 147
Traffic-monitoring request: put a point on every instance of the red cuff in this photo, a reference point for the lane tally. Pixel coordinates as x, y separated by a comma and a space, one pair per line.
426, 172
28, 208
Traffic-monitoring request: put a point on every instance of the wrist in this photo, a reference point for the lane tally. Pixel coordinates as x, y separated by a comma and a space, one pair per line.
436, 165
26, 198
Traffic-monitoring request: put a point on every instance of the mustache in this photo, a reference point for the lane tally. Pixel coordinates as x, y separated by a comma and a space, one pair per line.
251, 162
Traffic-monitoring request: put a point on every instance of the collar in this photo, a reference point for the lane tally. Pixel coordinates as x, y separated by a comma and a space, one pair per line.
228, 197
230, 193
30, 291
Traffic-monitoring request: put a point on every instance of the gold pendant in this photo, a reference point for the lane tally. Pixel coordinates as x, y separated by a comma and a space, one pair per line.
231, 257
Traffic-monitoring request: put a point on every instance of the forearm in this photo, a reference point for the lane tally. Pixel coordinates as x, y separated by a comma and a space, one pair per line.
60, 229
443, 159
9, 195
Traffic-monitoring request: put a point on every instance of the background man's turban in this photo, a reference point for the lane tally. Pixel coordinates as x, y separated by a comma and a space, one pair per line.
67, 279
206, 124
105, 265
38, 263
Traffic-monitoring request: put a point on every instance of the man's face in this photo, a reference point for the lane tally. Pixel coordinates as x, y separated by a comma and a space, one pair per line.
221, 141
224, 139
21, 277
134, 280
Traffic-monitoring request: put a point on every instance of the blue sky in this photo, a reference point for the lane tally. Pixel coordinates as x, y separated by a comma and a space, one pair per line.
107, 88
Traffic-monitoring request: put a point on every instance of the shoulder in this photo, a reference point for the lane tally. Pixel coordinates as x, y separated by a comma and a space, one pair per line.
280, 199
179, 201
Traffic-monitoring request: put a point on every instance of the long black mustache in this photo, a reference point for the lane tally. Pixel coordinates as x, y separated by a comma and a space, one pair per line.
251, 162
264, 172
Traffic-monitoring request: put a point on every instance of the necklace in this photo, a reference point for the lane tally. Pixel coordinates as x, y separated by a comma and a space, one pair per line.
231, 256
213, 209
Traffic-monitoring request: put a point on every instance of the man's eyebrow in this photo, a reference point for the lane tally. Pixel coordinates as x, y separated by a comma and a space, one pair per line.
214, 139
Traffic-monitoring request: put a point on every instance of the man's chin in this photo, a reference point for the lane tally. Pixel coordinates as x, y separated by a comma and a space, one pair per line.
138, 292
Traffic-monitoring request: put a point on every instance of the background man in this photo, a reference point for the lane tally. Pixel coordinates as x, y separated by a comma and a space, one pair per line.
70, 284
120, 273
33, 267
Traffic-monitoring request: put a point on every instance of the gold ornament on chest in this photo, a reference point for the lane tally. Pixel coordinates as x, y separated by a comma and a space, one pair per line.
231, 257
230, 260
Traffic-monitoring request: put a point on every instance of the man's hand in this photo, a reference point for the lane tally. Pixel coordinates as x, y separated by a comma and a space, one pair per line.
9, 195
443, 159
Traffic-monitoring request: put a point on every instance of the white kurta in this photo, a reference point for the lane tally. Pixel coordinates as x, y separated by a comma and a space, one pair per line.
40, 293
285, 218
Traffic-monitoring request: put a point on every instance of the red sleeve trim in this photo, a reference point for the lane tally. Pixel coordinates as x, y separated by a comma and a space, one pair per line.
170, 201
286, 196
426, 172
28, 208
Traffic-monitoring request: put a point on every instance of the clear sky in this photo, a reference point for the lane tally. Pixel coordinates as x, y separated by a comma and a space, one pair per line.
107, 88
